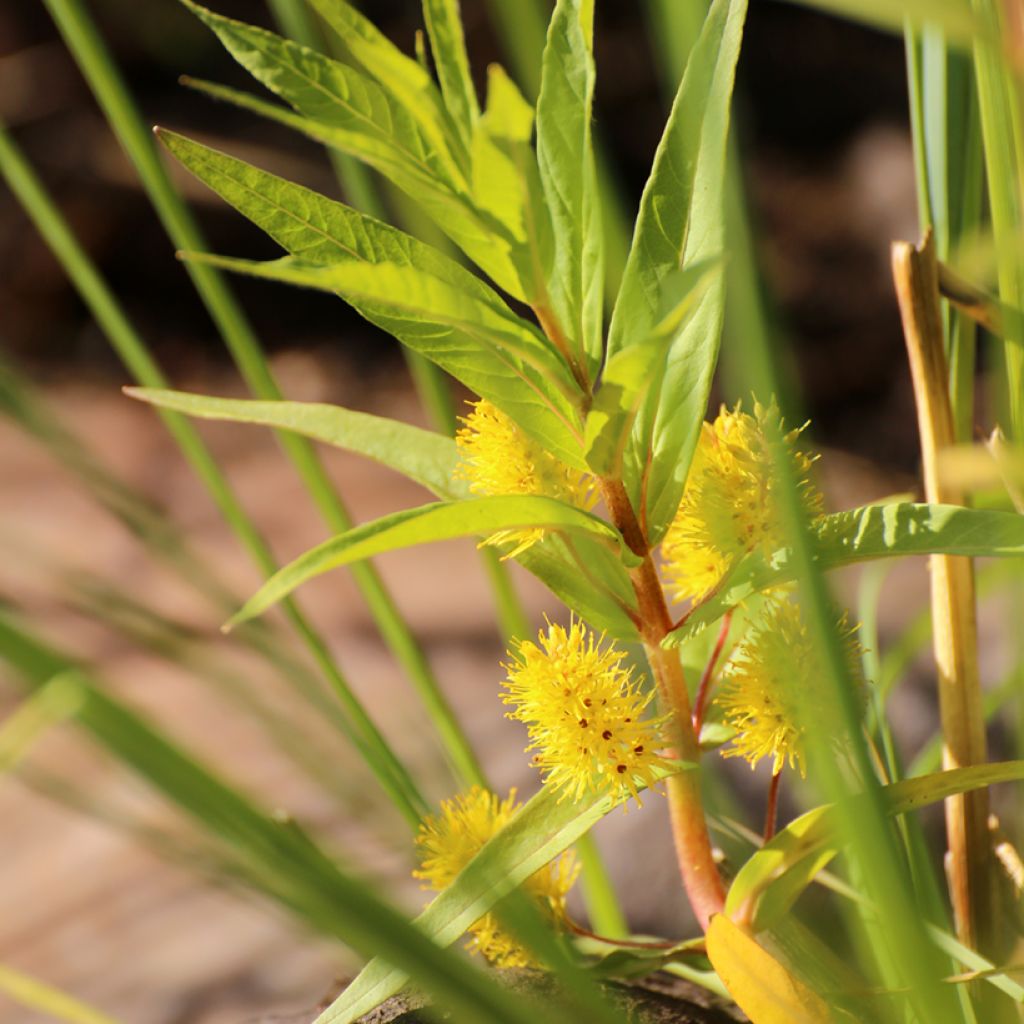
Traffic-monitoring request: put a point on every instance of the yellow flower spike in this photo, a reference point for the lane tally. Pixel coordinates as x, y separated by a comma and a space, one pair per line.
772, 693
449, 840
584, 712
730, 505
497, 458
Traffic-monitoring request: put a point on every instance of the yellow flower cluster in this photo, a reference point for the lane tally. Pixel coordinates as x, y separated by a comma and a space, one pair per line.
449, 840
772, 691
585, 713
730, 505
497, 458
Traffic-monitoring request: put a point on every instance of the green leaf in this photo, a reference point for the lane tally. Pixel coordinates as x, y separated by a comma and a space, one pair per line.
421, 455
681, 222
424, 525
774, 877
544, 827
508, 114
378, 57
565, 156
338, 96
861, 534
444, 26
631, 373
462, 326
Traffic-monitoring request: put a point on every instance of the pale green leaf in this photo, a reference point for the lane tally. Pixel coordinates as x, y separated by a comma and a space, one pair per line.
631, 372
862, 534
421, 455
463, 327
771, 881
38, 997
565, 156
508, 114
425, 525
681, 221
444, 26
540, 831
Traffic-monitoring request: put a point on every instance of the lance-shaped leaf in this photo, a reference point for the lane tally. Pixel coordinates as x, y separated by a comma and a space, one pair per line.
862, 534
681, 221
425, 525
632, 372
335, 94
540, 831
421, 455
602, 595
772, 880
444, 26
464, 328
565, 155
341, 107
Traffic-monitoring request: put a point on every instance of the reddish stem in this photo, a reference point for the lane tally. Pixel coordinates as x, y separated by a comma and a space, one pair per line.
704, 688
772, 813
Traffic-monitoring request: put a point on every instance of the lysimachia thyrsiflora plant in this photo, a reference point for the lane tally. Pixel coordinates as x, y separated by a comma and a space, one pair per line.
584, 454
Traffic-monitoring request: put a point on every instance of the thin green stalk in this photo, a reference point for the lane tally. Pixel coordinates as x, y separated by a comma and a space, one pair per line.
132, 351
90, 53
1000, 130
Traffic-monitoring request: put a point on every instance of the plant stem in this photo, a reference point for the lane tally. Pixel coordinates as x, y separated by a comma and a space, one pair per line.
689, 828
771, 813
704, 687
915, 271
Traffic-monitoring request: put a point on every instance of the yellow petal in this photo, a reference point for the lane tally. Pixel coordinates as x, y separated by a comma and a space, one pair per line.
763, 989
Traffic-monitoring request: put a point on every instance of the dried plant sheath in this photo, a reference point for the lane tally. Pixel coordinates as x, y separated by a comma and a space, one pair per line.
915, 271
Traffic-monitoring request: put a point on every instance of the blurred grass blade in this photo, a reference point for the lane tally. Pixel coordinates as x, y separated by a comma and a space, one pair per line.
425, 525
55, 701
954, 17
38, 997
132, 351
541, 830
274, 855
101, 73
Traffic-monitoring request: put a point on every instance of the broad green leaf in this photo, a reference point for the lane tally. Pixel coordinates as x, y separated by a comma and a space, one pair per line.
954, 17
421, 455
565, 156
544, 828
681, 221
38, 997
772, 880
335, 95
463, 327
425, 525
764, 989
444, 26
861, 534
275, 856
630, 374
508, 114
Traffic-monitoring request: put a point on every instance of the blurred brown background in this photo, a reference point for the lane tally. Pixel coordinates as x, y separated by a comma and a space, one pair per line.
823, 127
